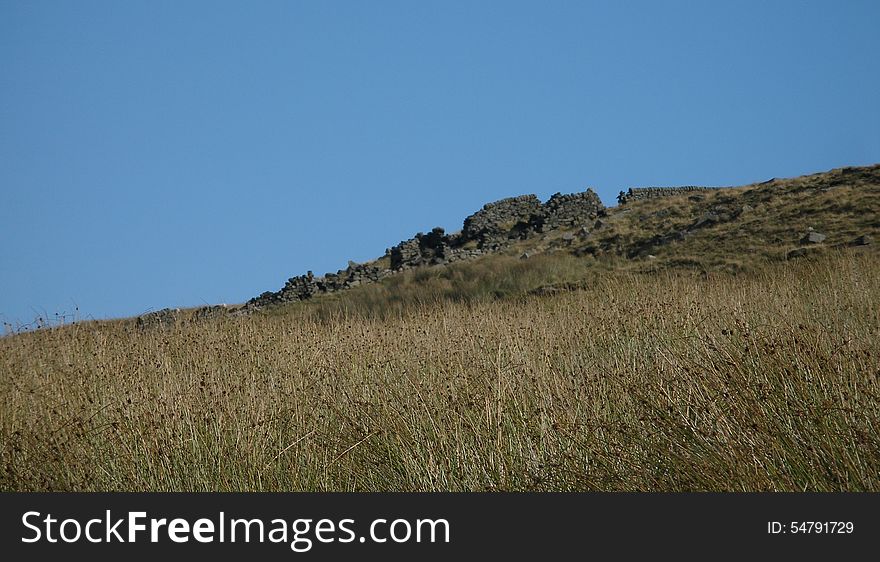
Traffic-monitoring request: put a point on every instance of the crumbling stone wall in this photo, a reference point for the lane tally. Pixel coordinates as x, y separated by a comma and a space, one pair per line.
304, 287
423, 249
487, 231
435, 248
574, 209
405, 254
638, 193
501, 217
168, 317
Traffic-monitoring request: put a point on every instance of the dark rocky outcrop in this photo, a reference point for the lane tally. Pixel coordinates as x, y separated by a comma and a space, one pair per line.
497, 220
565, 211
489, 230
586, 229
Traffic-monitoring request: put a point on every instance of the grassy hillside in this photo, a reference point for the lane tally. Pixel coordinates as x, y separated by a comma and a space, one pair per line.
740, 228
766, 380
733, 230
682, 343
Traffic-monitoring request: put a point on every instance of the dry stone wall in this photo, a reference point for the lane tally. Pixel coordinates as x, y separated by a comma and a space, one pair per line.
574, 209
499, 218
638, 193
487, 231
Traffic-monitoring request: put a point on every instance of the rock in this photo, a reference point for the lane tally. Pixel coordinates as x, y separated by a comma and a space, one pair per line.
862, 240
495, 220
164, 318
568, 236
747, 208
207, 312
796, 253
571, 209
708, 219
813, 237
636, 193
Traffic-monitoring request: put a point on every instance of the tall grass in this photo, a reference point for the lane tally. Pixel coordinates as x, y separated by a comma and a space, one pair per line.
479, 281
766, 381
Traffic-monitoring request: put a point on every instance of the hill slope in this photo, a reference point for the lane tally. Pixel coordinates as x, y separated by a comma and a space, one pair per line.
731, 229
718, 364
708, 229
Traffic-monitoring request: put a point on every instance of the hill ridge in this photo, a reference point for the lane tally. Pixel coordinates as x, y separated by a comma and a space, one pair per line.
777, 218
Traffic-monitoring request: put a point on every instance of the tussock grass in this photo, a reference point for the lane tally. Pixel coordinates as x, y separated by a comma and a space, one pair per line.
482, 280
757, 223
762, 381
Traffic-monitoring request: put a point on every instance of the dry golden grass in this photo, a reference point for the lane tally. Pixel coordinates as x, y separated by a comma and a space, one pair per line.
757, 224
639, 382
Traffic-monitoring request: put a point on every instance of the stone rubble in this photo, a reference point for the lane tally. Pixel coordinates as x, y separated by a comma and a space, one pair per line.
639, 193
489, 230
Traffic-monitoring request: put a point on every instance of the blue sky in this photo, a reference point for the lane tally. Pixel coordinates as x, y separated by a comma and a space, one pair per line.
168, 153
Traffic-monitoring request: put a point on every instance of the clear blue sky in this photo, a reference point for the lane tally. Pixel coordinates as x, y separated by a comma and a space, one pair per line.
176, 153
